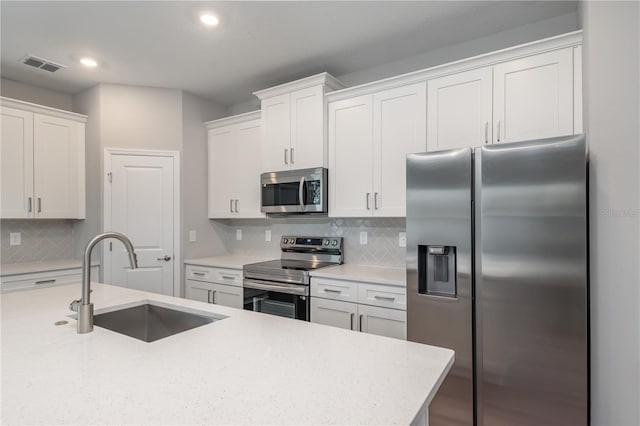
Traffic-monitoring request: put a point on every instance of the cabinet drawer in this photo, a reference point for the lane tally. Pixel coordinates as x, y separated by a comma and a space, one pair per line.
214, 275
382, 295
334, 289
44, 279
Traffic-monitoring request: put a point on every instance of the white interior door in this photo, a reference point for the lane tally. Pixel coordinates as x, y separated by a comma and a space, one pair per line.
140, 202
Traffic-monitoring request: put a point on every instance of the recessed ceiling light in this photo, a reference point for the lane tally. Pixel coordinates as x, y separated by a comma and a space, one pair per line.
209, 20
88, 62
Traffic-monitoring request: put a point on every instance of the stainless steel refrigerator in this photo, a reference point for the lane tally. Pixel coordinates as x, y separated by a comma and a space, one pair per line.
497, 271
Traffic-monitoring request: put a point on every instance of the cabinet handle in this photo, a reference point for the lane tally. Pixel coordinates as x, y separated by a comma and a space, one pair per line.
352, 315
30, 206
200, 274
208, 296
227, 277
330, 290
285, 156
498, 131
39, 204
486, 132
231, 205
360, 322
375, 200
45, 282
213, 296
291, 156
368, 201
236, 206
384, 297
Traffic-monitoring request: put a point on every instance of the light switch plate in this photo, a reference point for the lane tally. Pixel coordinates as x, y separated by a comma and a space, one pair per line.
267, 234
402, 239
192, 236
238, 234
15, 238
363, 237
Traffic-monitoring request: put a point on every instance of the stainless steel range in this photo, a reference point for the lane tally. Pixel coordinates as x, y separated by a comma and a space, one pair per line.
281, 287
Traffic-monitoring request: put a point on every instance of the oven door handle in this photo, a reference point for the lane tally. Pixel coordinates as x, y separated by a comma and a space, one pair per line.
280, 288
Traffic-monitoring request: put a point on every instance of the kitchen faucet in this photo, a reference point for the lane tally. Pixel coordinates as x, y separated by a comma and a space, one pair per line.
83, 306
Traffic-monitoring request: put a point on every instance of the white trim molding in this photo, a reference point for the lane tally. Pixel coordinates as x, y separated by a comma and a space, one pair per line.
325, 79
234, 119
41, 109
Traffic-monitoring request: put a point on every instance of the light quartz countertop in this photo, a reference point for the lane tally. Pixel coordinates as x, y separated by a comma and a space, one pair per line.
249, 368
232, 261
45, 266
371, 274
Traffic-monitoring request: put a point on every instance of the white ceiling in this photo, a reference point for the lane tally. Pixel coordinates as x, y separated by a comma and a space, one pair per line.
257, 45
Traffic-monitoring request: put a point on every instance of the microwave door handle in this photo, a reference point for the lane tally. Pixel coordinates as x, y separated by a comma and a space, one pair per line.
301, 192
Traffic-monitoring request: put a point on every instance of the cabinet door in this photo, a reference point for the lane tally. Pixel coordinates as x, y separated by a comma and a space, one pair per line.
222, 171
227, 295
533, 97
308, 148
197, 290
399, 128
334, 313
383, 321
246, 173
276, 132
58, 161
16, 157
350, 157
459, 110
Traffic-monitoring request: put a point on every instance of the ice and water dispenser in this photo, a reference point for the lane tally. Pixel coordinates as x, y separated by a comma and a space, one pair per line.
437, 270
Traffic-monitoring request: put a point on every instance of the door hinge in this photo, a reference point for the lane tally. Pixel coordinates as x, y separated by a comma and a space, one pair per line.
110, 177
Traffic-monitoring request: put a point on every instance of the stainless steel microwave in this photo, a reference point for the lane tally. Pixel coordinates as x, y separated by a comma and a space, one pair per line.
294, 191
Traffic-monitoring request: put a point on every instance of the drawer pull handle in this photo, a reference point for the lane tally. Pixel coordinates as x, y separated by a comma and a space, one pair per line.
384, 297
330, 290
201, 274
228, 277
45, 282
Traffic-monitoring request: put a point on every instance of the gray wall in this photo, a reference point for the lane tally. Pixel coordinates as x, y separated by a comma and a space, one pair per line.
210, 234
612, 113
37, 95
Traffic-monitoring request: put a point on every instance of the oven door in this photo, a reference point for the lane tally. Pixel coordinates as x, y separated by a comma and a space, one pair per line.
285, 300
294, 191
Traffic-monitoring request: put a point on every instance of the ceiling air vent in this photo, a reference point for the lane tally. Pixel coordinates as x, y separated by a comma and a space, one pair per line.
40, 63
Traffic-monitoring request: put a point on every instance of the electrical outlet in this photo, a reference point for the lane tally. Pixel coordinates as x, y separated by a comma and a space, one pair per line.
267, 235
402, 239
15, 238
363, 237
238, 234
192, 236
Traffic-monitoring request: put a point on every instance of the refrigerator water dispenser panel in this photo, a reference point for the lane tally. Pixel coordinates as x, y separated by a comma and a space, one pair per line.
437, 270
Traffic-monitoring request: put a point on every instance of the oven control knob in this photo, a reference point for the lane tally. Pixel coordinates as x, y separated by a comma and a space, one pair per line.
326, 242
334, 243
285, 241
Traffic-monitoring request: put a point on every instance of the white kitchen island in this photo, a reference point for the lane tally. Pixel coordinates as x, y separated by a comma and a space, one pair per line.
248, 368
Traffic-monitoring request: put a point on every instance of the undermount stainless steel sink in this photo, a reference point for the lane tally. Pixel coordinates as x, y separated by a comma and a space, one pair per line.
151, 321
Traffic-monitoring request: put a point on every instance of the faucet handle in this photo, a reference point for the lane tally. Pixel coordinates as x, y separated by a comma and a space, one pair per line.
73, 306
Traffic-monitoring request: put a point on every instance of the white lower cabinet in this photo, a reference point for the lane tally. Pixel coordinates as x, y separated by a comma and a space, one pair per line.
218, 294
331, 309
220, 286
45, 279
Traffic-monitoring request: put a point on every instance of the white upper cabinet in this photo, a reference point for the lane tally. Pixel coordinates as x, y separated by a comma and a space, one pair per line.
533, 97
351, 157
234, 167
459, 110
43, 162
293, 123
369, 138
399, 128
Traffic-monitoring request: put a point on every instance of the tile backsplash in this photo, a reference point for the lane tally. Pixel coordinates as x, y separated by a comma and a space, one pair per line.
382, 247
41, 240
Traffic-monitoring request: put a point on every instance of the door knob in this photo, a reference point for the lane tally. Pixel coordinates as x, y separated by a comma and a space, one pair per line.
166, 258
